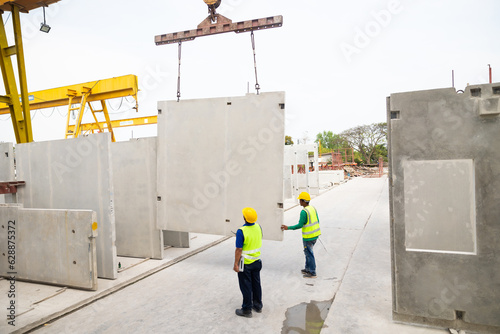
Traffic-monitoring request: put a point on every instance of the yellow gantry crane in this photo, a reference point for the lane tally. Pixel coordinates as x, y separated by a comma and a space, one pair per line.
20, 113
77, 97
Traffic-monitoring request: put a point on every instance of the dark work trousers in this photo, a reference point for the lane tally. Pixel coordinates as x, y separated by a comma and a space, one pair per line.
250, 287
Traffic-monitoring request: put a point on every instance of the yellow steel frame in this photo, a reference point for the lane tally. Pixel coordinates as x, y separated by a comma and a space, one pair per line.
77, 97
121, 123
20, 113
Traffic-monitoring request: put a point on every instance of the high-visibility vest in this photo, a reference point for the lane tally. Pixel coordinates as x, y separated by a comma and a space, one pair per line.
252, 243
311, 229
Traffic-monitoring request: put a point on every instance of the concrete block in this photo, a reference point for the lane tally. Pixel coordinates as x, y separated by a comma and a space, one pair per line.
330, 177
7, 169
134, 183
51, 246
73, 174
444, 179
176, 239
217, 156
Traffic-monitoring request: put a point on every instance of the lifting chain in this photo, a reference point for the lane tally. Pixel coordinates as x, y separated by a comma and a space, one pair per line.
179, 74
257, 86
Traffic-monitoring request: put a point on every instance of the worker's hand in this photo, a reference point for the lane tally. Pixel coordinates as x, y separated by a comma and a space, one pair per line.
236, 268
284, 227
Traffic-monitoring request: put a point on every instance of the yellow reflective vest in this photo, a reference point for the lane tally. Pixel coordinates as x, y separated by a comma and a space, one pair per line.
311, 228
252, 242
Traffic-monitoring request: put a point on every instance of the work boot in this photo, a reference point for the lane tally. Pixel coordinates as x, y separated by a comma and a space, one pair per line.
303, 271
243, 313
258, 310
309, 275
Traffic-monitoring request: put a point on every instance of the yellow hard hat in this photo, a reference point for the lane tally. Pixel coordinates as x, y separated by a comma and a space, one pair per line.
305, 196
250, 215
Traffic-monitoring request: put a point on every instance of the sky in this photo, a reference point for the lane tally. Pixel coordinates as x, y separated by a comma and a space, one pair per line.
337, 61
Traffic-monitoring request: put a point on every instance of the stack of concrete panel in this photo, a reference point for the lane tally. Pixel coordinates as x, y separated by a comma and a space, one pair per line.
73, 174
7, 169
217, 156
445, 185
51, 246
134, 181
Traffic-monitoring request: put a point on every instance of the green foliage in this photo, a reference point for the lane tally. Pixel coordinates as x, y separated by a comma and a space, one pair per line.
288, 140
330, 141
369, 140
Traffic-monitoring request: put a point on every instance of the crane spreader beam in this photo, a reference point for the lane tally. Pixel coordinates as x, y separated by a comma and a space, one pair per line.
25, 5
222, 25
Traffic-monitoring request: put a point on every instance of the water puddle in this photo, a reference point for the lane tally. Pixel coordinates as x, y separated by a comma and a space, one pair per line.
306, 318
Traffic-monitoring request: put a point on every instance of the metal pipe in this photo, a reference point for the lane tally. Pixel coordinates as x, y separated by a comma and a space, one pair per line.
491, 81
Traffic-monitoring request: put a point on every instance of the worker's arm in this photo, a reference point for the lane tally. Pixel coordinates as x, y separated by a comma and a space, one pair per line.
302, 222
237, 256
240, 240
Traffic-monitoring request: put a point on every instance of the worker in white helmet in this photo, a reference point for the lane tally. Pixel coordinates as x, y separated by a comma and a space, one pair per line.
309, 223
247, 263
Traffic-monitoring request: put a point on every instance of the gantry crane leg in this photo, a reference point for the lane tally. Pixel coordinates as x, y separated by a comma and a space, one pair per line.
20, 114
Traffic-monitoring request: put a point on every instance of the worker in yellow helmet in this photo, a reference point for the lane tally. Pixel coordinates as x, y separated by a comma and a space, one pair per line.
247, 263
309, 223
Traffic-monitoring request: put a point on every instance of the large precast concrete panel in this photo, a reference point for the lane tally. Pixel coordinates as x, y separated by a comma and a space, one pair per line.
73, 174
134, 183
217, 156
50, 246
444, 186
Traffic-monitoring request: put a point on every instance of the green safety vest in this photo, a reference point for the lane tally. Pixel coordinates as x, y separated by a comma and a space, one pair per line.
252, 243
311, 229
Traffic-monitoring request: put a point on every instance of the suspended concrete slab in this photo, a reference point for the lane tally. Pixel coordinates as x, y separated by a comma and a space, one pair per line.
73, 174
217, 156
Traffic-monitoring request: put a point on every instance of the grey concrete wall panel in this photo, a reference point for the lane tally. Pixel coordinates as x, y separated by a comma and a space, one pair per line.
176, 239
217, 156
7, 169
52, 246
134, 184
450, 184
444, 187
73, 174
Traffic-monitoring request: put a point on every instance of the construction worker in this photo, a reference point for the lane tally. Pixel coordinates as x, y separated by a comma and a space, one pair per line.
248, 244
309, 222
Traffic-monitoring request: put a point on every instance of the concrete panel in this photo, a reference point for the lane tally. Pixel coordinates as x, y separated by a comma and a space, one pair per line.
73, 174
458, 133
134, 182
440, 206
51, 246
217, 156
7, 169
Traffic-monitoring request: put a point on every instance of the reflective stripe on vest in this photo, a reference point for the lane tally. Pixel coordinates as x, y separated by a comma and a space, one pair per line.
311, 228
252, 243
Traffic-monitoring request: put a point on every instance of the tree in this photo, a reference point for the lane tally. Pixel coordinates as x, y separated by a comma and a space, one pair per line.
331, 141
366, 138
288, 140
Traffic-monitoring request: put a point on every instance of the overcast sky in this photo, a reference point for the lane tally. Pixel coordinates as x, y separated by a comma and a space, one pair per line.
336, 60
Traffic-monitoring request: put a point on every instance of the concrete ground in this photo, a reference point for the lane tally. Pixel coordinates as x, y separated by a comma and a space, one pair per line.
200, 293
